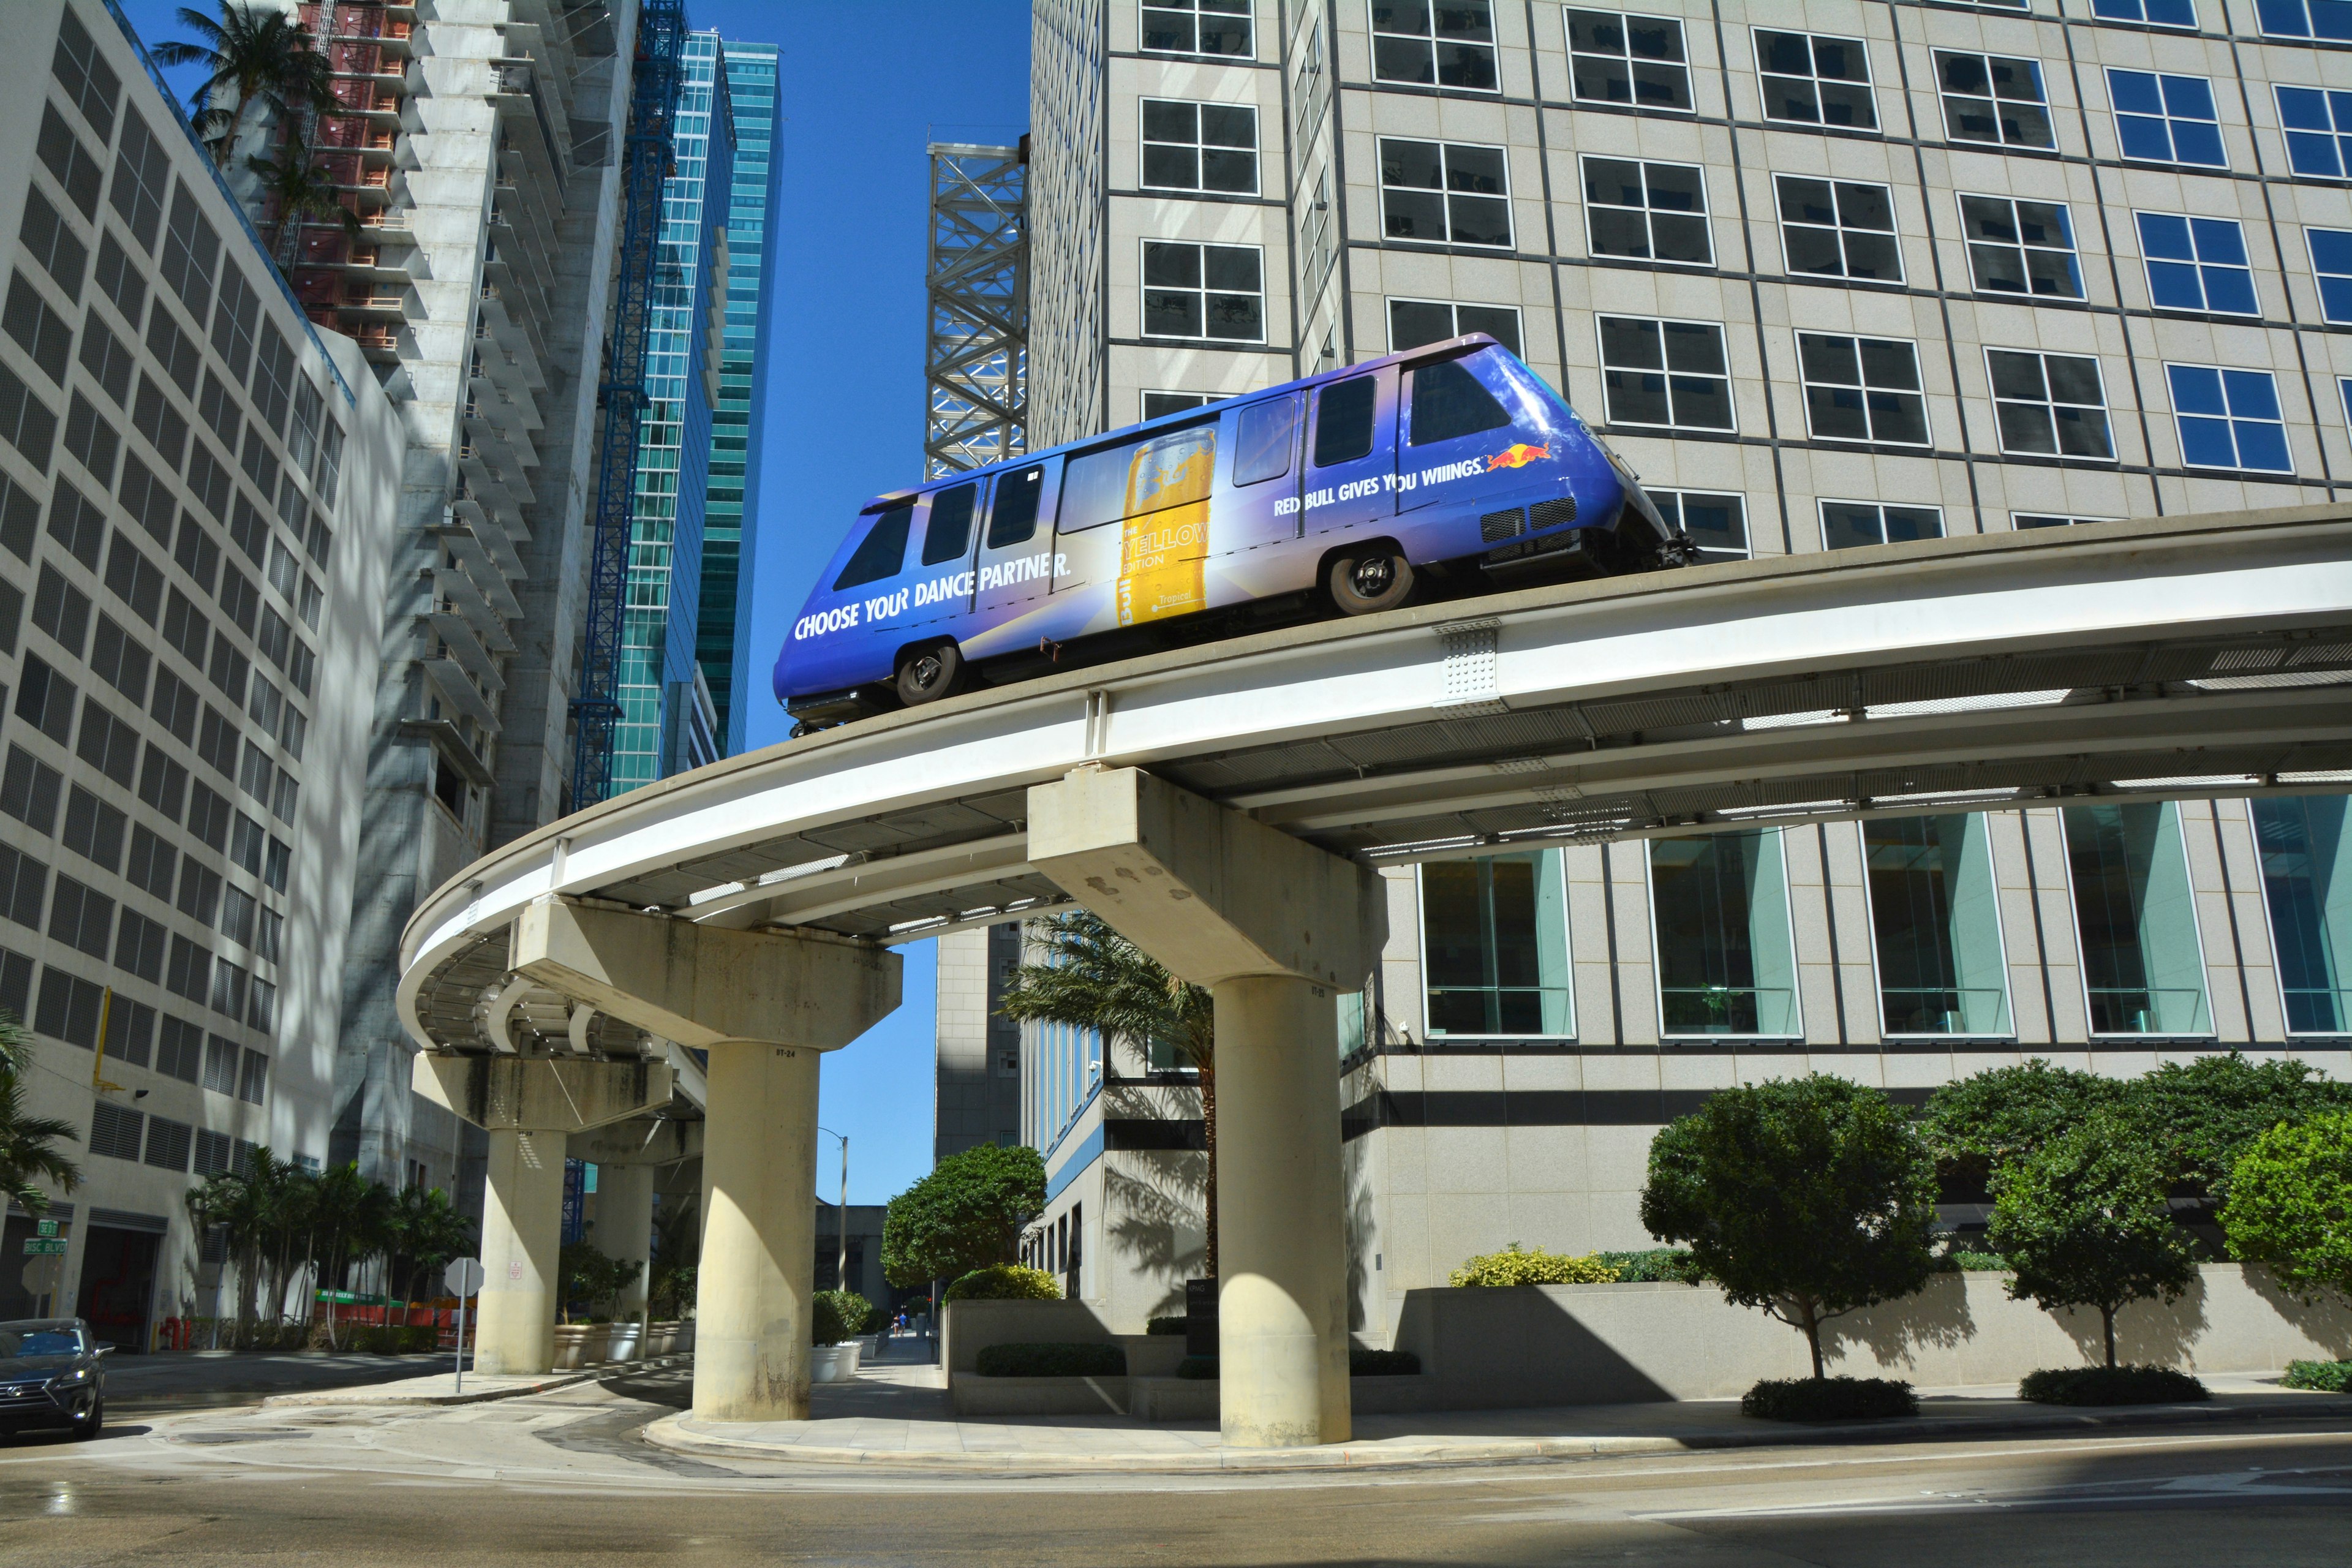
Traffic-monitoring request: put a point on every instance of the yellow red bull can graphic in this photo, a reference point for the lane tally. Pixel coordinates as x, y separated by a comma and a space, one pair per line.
1165, 538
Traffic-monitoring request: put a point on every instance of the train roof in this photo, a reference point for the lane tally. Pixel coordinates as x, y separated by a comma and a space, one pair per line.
1440, 350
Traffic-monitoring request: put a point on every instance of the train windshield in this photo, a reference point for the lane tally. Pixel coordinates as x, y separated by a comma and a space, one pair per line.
1448, 402
883, 552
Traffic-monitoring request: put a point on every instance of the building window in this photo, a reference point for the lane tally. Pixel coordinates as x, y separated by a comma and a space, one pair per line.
2228, 419
2327, 19
1810, 79
1448, 44
1935, 925
2154, 13
1993, 98
2166, 119
1197, 28
1445, 193
1199, 147
2197, 264
2022, 520
1839, 228
1849, 524
1617, 57
1669, 375
2307, 882
2331, 263
1215, 291
1863, 389
2051, 405
1412, 322
1719, 907
1159, 405
2142, 966
1494, 939
1717, 525
2318, 131
1647, 212
2021, 248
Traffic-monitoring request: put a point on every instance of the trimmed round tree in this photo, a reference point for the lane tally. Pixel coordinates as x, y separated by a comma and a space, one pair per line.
1809, 1198
1974, 1123
966, 1215
2290, 1205
2084, 1222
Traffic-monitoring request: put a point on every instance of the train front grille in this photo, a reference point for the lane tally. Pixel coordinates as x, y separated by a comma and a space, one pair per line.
1496, 526
1552, 513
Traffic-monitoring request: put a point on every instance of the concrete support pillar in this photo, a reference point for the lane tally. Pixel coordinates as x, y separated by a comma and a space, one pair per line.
523, 1224
1277, 930
766, 1005
1281, 1296
759, 1242
624, 1227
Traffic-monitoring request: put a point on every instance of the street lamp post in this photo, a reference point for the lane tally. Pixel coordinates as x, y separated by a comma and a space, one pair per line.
841, 1264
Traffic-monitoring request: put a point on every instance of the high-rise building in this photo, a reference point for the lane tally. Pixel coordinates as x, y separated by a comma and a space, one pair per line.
1827, 273
723, 642
200, 502
476, 146
977, 1072
667, 722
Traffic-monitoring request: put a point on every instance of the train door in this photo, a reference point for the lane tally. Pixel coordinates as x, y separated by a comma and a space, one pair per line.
1351, 467
1016, 548
1454, 428
1256, 510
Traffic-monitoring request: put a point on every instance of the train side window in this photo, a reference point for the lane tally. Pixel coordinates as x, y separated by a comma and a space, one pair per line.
1262, 442
949, 533
1016, 517
1343, 421
883, 550
1448, 402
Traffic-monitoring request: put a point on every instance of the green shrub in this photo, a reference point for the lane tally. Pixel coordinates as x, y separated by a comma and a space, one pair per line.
1164, 1326
2111, 1385
858, 1313
1199, 1368
1828, 1399
1052, 1359
397, 1338
824, 1320
1007, 1282
1516, 1265
1363, 1362
2326, 1376
1957, 1259
1657, 1266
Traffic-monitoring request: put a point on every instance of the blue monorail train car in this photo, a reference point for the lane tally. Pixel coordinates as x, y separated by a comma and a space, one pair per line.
1448, 469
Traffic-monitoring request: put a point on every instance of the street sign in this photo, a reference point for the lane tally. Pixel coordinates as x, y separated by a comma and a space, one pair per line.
42, 1275
45, 1246
46, 1228
463, 1276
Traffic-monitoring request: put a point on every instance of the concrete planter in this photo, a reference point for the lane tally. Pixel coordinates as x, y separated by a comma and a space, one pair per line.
626, 1342
580, 1344
833, 1364
1041, 1396
1172, 1399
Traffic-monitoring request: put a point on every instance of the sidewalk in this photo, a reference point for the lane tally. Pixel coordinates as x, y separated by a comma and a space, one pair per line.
899, 1417
439, 1388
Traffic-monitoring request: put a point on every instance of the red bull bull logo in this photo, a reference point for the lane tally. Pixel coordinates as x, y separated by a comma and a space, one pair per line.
1518, 455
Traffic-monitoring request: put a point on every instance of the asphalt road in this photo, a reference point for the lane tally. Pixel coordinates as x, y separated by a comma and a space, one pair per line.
561, 1478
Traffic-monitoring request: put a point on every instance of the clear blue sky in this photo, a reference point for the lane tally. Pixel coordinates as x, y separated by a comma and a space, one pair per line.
864, 87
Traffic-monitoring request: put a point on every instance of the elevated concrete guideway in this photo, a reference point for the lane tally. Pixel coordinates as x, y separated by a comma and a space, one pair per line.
2150, 658
1221, 807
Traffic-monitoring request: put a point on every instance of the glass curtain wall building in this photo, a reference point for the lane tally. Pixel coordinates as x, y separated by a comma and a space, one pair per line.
667, 723
723, 637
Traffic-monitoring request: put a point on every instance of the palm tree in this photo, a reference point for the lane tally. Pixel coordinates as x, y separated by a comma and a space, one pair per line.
28, 1144
1094, 978
254, 54
298, 189
349, 1216
677, 1243
427, 1234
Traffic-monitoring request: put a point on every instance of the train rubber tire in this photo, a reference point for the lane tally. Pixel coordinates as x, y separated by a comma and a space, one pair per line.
1367, 585
927, 674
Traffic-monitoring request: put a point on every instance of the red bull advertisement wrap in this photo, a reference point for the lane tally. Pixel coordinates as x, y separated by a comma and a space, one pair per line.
1448, 469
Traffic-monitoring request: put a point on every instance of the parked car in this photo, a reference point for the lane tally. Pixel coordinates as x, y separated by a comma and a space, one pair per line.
52, 1374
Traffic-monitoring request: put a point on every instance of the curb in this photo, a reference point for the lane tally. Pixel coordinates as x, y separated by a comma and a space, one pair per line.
671, 1433
364, 1395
